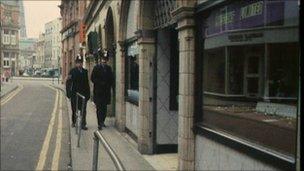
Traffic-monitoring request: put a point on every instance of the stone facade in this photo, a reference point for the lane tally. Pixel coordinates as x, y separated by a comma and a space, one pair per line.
52, 41
129, 28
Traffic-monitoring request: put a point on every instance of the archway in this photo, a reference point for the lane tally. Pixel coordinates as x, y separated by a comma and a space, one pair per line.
110, 45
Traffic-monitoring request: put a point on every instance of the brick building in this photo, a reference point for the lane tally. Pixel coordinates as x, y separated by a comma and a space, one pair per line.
72, 12
9, 37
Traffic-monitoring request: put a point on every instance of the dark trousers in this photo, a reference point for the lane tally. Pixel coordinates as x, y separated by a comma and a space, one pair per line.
73, 104
101, 112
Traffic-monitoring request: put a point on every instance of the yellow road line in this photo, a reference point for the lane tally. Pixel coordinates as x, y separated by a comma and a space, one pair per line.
56, 156
11, 95
45, 147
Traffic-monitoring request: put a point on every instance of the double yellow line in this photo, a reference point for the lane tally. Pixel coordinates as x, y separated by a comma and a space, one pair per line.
11, 95
46, 143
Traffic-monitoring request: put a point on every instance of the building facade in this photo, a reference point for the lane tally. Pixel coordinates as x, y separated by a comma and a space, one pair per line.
71, 12
9, 37
40, 51
52, 39
215, 81
27, 53
22, 20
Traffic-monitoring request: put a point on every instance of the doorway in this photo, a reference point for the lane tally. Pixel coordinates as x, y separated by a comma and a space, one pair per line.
111, 47
252, 79
166, 91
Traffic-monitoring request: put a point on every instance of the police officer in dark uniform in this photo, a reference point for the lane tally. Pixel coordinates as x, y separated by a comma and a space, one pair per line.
103, 80
78, 82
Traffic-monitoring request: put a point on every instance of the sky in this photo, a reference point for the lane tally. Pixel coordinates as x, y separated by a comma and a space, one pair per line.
39, 12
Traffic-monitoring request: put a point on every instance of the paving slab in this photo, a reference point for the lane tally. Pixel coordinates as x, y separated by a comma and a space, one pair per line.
82, 156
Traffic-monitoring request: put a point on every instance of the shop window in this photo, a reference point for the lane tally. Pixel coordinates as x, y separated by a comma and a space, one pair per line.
214, 75
250, 85
132, 72
283, 70
236, 70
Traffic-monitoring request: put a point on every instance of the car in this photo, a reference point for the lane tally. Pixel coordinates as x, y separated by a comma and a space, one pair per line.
45, 74
25, 74
37, 73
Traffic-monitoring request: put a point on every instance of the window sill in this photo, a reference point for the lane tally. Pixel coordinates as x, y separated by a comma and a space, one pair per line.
258, 152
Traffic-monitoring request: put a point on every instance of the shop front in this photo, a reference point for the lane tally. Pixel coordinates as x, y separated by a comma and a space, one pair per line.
250, 59
151, 75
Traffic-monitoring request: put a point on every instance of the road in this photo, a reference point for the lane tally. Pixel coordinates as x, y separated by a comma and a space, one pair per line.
34, 128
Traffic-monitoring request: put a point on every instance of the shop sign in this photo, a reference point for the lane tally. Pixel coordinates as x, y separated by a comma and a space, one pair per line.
244, 15
244, 37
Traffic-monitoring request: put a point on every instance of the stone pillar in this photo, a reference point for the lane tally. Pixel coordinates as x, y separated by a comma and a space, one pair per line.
186, 143
120, 87
146, 45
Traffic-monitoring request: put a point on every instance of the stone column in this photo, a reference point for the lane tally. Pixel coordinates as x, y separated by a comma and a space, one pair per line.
146, 45
120, 87
186, 143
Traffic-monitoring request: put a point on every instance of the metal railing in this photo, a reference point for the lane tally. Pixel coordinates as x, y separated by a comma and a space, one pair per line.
99, 138
79, 114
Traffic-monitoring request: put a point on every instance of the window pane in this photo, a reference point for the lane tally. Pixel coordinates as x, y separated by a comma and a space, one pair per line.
283, 70
251, 71
236, 70
214, 75
132, 72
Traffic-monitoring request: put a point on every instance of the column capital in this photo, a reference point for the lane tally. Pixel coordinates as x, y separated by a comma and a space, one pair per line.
183, 12
121, 45
184, 16
145, 36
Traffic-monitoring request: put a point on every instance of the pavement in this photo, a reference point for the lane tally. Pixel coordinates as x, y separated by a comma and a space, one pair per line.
125, 150
7, 87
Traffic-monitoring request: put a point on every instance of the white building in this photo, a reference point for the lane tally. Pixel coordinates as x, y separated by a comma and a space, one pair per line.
52, 45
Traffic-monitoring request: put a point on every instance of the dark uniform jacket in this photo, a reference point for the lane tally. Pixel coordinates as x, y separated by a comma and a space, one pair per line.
103, 80
78, 82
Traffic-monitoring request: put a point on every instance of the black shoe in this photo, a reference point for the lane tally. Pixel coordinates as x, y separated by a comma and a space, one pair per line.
99, 128
103, 125
84, 128
73, 125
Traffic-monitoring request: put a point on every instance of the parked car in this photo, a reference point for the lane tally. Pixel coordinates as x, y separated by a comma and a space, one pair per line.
37, 73
25, 74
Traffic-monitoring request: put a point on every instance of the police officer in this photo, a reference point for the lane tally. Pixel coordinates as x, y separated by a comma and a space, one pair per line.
78, 82
103, 80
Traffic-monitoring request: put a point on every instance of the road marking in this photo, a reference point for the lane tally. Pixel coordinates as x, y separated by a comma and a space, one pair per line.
11, 95
56, 156
45, 147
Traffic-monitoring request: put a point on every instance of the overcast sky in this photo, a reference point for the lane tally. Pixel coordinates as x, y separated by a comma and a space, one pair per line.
39, 12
